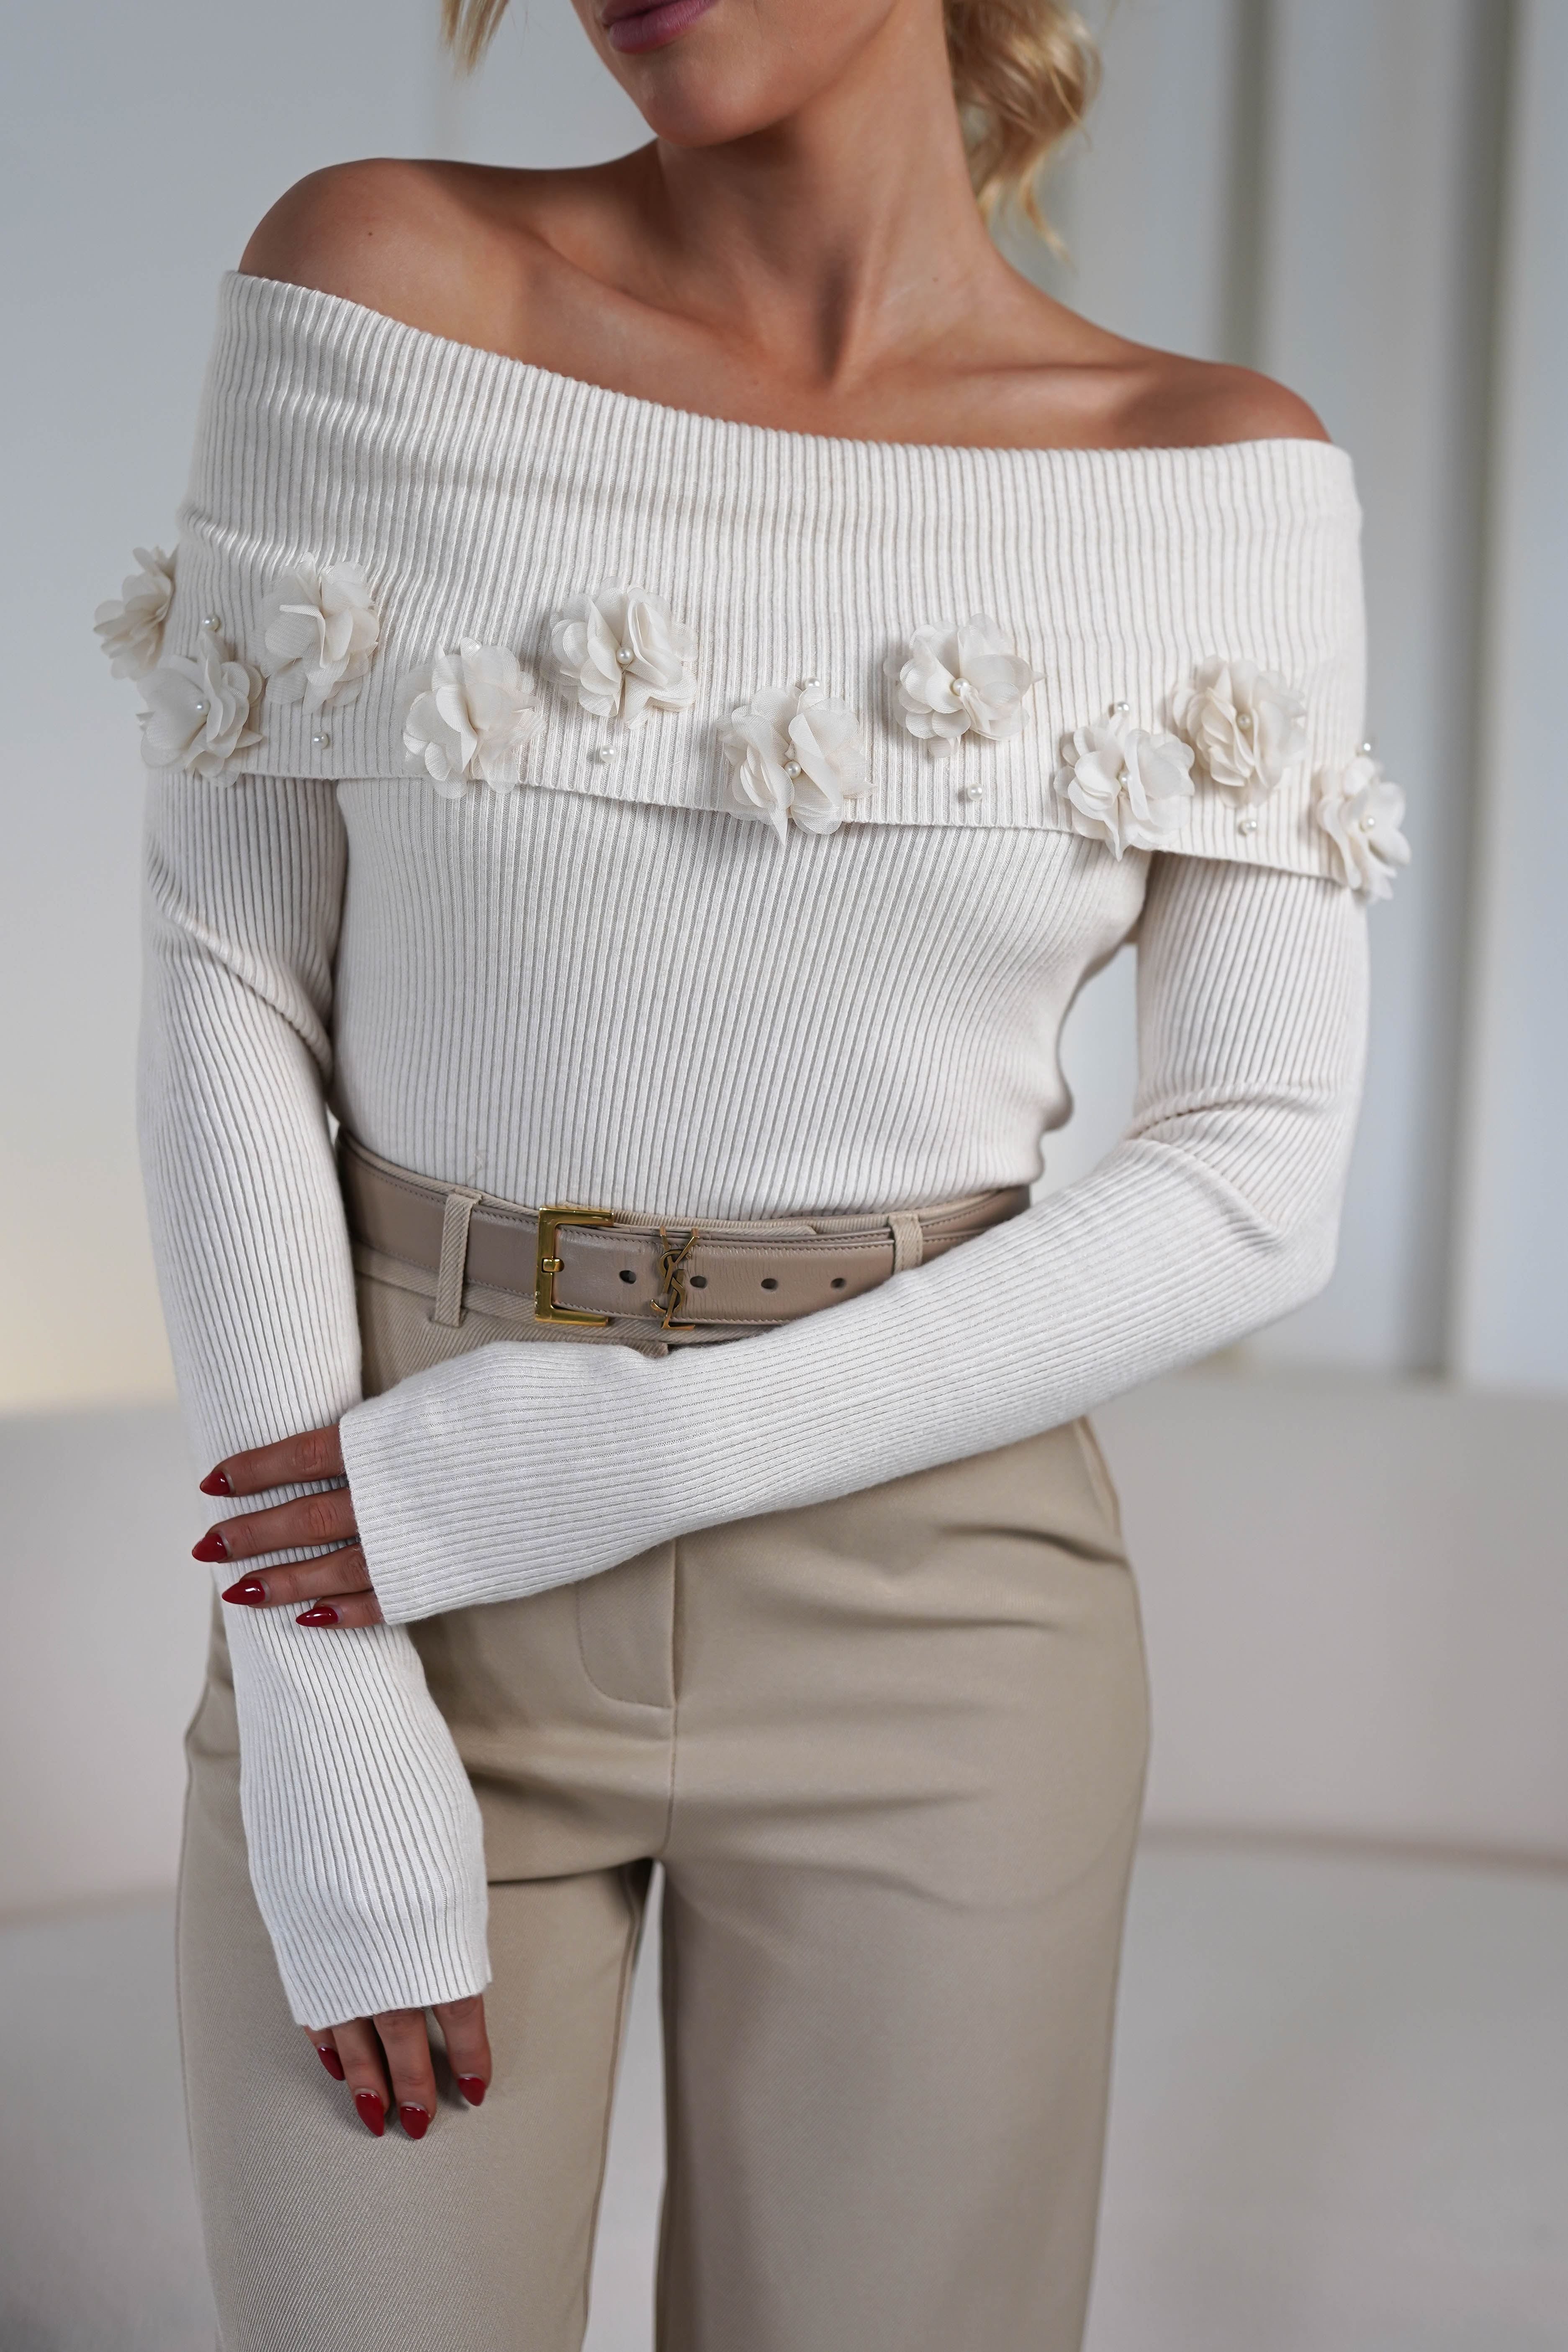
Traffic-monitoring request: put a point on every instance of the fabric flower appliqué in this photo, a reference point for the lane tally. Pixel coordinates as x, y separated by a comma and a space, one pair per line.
471, 716
795, 754
320, 630
131, 624
1124, 785
623, 653
957, 678
198, 708
1362, 813
1248, 727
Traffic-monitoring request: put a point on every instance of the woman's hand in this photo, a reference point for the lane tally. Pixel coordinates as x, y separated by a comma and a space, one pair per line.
336, 1588
385, 2059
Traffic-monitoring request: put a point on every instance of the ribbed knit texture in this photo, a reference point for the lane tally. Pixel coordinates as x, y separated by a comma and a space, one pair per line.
603, 991
479, 495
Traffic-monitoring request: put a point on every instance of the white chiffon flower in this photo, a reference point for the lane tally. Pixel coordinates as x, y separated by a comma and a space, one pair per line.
1125, 786
198, 708
795, 754
131, 624
959, 678
623, 654
471, 716
1362, 813
321, 629
1248, 727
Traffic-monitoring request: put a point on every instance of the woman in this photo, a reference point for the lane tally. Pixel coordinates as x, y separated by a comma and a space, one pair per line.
678, 673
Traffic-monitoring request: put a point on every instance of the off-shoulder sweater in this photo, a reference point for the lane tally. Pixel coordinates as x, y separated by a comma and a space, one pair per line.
606, 984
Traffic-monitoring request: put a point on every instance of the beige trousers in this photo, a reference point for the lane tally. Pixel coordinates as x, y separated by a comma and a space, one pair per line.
890, 1754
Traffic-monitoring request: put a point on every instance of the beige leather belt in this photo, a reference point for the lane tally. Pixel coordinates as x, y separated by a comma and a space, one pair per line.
595, 1268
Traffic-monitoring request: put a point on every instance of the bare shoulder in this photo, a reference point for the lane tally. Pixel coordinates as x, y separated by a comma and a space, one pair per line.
1089, 388
428, 243
1199, 403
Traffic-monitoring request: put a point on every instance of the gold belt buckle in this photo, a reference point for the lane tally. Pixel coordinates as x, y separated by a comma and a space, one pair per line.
547, 1264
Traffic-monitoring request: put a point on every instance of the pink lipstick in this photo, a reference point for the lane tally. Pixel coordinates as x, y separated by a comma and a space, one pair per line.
632, 25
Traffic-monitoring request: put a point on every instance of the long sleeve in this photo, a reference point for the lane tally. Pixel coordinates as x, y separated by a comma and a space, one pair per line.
516, 1468
363, 1834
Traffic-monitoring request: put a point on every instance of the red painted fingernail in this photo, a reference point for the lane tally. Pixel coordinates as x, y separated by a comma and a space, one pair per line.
472, 2089
330, 2060
416, 2121
211, 1547
370, 2112
215, 1483
323, 1613
250, 1589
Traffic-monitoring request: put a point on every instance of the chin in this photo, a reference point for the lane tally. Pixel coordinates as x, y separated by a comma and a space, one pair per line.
701, 72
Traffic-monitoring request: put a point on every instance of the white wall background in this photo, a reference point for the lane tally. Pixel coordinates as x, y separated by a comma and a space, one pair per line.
1368, 197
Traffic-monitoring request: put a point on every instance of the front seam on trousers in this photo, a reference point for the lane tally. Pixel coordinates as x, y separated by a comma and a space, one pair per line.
635, 1916
669, 1989
677, 1589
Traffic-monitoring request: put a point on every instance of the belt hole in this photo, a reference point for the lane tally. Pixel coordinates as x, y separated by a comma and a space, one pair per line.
626, 1273
699, 1282
770, 1282
837, 1282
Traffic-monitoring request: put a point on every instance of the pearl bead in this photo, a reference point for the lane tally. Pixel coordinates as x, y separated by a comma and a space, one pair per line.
210, 620
604, 754
807, 684
1122, 777
626, 657
1369, 825
1247, 824
1120, 709
201, 709
792, 769
1244, 720
1367, 747
320, 738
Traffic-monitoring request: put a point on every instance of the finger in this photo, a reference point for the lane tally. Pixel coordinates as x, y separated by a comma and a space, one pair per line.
321, 1519
332, 1573
406, 2043
360, 2052
313, 1453
343, 1608
462, 2025
326, 2050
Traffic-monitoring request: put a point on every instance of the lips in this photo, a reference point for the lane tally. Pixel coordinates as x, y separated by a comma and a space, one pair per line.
633, 24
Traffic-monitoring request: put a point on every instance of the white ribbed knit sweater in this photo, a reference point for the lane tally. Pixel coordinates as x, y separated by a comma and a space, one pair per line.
601, 988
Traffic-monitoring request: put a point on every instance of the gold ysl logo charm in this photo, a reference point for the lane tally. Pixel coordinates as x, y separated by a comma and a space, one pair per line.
671, 1300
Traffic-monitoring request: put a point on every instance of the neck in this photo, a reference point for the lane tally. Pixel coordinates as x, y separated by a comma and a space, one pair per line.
841, 240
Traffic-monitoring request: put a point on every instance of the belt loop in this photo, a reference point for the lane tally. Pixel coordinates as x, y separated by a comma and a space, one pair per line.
459, 1208
908, 1239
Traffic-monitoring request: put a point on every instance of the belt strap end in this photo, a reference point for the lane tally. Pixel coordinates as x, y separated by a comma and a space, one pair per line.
453, 1270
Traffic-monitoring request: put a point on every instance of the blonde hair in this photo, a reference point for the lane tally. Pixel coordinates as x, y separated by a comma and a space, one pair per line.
1023, 74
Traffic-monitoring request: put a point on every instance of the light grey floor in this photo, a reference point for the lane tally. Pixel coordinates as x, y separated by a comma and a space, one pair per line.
1341, 2122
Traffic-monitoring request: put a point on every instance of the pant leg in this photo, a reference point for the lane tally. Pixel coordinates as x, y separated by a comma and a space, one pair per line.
321, 2239
909, 1768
